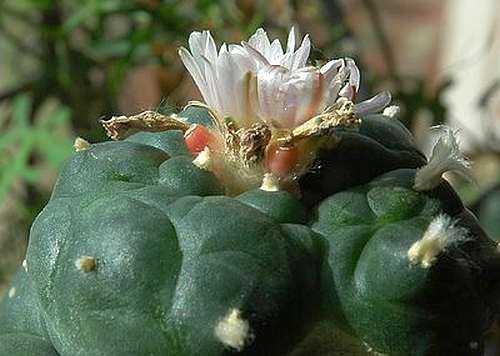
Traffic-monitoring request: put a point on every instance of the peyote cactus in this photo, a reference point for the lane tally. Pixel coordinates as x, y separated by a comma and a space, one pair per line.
205, 234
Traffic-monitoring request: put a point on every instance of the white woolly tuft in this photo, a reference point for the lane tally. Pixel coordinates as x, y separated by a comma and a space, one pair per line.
270, 183
441, 233
473, 345
233, 331
25, 265
446, 156
86, 263
203, 160
12, 292
392, 111
80, 144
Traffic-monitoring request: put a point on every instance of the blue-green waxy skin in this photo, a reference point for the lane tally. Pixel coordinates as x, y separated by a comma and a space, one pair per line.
487, 209
20, 344
22, 326
173, 258
373, 291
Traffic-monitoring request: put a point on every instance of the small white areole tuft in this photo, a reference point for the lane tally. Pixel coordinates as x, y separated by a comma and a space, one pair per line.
270, 183
392, 111
441, 233
446, 156
233, 331
473, 345
80, 144
203, 159
86, 263
12, 292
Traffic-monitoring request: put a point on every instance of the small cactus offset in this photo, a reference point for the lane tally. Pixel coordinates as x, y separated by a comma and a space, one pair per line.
284, 221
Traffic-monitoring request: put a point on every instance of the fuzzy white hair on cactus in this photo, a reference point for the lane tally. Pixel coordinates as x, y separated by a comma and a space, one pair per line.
259, 80
445, 157
12, 292
86, 263
203, 159
441, 233
233, 331
392, 111
81, 144
270, 183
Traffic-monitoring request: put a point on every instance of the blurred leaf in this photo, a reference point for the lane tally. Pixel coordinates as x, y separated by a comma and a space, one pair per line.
109, 49
88, 10
24, 139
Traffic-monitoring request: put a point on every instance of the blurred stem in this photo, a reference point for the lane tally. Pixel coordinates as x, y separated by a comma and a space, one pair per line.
9, 94
384, 44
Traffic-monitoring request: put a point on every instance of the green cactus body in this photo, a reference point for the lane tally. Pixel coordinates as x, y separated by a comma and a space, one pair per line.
380, 145
171, 262
488, 212
139, 252
419, 309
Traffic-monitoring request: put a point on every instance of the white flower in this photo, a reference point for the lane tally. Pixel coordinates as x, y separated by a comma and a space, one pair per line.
260, 81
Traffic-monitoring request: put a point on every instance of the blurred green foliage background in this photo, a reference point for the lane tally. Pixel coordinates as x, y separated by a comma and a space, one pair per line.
65, 64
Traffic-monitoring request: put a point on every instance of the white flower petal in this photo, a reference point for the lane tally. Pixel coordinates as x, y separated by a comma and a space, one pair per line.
259, 58
374, 104
301, 96
311, 88
354, 75
212, 84
241, 57
196, 45
269, 80
331, 68
258, 80
196, 73
331, 92
302, 54
276, 52
228, 83
210, 47
290, 44
348, 91
287, 60
260, 42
